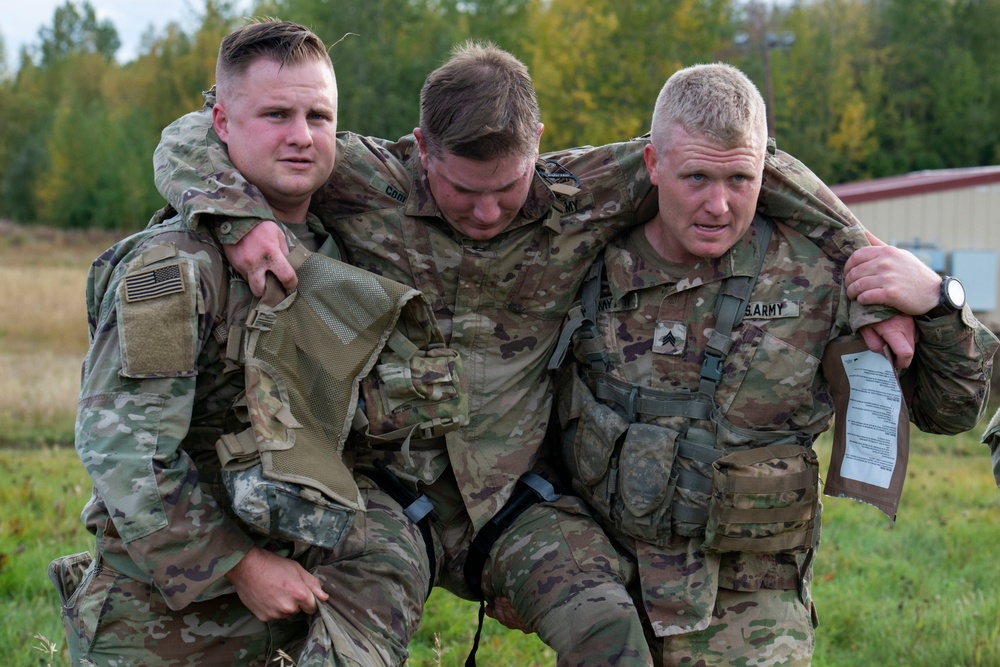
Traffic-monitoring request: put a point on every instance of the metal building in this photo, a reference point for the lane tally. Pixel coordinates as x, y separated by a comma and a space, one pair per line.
950, 218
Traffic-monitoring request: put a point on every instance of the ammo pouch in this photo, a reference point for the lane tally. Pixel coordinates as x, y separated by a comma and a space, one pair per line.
653, 482
624, 471
303, 356
764, 500
416, 389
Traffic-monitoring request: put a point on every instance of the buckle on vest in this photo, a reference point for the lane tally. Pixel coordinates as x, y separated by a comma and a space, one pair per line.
711, 368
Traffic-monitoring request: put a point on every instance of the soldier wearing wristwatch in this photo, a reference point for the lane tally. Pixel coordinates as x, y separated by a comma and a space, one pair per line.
952, 299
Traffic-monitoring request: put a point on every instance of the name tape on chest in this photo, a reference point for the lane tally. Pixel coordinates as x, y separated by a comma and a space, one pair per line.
770, 310
383, 186
608, 304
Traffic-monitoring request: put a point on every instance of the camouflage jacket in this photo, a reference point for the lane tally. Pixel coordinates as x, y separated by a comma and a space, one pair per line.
156, 394
655, 322
500, 302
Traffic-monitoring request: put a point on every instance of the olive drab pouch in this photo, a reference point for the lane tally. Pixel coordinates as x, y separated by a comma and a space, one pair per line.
764, 500
304, 354
647, 483
416, 389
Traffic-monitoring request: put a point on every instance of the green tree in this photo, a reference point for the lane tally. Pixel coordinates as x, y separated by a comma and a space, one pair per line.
827, 87
76, 30
598, 66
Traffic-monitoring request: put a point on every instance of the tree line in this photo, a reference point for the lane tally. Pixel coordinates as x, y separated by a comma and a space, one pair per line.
856, 88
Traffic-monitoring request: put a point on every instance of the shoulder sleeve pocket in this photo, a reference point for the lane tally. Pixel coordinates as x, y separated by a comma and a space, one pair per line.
158, 321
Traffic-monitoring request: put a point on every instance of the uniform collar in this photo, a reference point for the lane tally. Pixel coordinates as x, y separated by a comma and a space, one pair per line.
633, 265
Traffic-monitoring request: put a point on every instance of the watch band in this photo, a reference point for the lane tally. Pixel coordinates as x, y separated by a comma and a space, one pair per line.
946, 305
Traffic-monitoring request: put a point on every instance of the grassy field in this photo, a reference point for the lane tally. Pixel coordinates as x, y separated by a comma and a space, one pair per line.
924, 591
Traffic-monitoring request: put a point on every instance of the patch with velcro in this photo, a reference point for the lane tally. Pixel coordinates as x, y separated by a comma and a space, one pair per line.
158, 321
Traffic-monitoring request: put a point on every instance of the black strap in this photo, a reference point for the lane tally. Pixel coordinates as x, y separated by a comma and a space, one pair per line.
417, 509
530, 489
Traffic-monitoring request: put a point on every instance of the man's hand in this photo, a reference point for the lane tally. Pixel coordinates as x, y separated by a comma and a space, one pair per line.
884, 275
273, 587
898, 332
263, 249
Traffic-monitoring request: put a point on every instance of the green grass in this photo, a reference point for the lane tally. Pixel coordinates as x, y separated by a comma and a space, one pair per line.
922, 591
42, 491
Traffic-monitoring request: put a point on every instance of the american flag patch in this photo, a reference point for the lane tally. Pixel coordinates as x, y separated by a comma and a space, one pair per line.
154, 283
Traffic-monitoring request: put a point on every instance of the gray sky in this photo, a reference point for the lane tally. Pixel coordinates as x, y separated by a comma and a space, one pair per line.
21, 19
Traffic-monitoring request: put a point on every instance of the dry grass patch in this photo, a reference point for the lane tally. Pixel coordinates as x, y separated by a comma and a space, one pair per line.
43, 336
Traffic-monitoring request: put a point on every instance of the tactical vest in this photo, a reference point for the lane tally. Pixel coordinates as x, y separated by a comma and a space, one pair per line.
306, 357
699, 476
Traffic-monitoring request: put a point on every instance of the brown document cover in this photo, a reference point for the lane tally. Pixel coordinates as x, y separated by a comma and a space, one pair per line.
885, 499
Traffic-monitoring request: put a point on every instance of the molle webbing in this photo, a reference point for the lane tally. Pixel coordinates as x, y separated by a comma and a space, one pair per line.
635, 400
765, 513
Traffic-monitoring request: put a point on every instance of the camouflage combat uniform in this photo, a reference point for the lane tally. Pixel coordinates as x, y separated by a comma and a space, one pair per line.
705, 606
157, 391
500, 303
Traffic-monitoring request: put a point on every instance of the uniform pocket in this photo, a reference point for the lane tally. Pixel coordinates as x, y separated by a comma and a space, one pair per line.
773, 375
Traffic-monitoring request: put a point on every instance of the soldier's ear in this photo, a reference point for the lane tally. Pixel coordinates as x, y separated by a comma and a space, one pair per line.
220, 121
421, 146
649, 154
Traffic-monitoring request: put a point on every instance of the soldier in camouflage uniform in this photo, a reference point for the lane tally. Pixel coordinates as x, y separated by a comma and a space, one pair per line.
718, 580
499, 239
177, 578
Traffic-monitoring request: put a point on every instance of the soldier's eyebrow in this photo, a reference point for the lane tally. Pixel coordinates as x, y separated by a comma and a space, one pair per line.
458, 187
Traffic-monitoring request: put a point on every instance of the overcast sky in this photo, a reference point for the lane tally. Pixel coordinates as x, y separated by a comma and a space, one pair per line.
21, 19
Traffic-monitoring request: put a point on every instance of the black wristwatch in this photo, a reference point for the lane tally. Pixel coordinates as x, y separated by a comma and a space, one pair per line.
952, 299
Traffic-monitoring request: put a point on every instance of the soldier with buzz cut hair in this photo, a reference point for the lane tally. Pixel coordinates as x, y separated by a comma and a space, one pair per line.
187, 570
499, 239
689, 415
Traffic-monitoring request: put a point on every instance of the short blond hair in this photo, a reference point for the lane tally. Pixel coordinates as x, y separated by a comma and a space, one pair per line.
715, 100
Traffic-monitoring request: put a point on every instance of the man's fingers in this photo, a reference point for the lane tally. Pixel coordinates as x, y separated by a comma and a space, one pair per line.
901, 348
872, 338
257, 280
874, 240
310, 605
284, 272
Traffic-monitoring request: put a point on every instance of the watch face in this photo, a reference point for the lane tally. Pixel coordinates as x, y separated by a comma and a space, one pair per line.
955, 292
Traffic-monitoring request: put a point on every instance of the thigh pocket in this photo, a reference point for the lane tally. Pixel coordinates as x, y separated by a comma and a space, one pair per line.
102, 616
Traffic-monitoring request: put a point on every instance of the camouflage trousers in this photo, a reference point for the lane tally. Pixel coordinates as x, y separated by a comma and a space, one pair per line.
748, 628
554, 573
377, 590
560, 576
